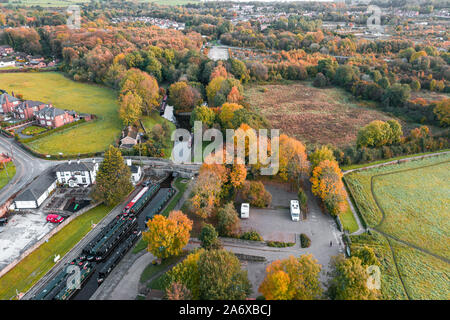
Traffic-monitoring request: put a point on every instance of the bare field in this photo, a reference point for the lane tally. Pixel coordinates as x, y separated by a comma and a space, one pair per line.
318, 116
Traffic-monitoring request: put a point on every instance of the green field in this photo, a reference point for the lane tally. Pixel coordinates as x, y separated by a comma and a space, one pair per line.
24, 275
7, 175
348, 221
410, 204
94, 136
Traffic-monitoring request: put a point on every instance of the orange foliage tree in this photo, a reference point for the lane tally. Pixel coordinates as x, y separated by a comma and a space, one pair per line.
167, 236
293, 159
292, 279
327, 185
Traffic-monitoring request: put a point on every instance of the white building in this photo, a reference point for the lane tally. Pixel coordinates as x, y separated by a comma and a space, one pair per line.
77, 173
136, 172
7, 63
37, 192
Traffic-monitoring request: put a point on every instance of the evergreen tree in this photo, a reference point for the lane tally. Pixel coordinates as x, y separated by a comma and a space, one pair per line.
113, 182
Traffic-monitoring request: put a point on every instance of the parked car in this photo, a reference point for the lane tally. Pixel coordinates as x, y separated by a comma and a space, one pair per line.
54, 218
245, 211
295, 210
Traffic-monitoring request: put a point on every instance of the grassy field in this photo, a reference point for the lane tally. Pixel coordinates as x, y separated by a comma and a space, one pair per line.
348, 221
415, 199
315, 116
10, 172
93, 136
24, 275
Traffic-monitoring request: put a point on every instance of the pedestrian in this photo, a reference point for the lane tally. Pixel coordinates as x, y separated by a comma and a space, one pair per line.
331, 243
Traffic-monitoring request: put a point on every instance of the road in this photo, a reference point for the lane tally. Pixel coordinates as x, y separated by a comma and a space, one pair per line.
27, 167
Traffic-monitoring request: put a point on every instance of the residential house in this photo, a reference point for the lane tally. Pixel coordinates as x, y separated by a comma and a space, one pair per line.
8, 103
36, 193
6, 50
54, 117
136, 172
7, 63
130, 137
37, 64
28, 108
77, 173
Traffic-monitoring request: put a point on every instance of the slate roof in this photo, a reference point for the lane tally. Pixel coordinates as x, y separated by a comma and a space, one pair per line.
10, 98
75, 166
30, 104
38, 187
134, 169
49, 112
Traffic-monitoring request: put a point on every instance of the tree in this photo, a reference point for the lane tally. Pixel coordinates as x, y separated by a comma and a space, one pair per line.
397, 95
183, 97
292, 279
320, 154
226, 114
221, 277
349, 280
254, 193
178, 291
320, 81
208, 237
113, 180
211, 275
374, 134
293, 161
367, 256
206, 193
344, 75
167, 236
219, 71
327, 185
234, 96
204, 114
143, 85
238, 175
228, 222
130, 108
442, 111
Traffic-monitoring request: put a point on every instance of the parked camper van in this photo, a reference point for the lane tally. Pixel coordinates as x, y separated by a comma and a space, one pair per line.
295, 210
245, 211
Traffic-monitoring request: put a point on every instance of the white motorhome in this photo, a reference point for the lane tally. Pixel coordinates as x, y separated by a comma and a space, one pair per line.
245, 211
295, 210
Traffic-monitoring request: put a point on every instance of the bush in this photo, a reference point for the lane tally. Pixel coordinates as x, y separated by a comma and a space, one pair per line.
279, 244
303, 200
228, 221
251, 235
305, 241
208, 237
254, 193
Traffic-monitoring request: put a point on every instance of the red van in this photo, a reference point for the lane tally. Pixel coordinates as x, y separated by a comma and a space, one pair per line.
54, 218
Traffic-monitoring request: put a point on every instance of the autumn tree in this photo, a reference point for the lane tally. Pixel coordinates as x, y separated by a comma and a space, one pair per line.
144, 85
211, 275
219, 71
228, 223
206, 193
293, 160
379, 133
349, 280
167, 236
254, 193
204, 114
292, 279
234, 96
130, 108
183, 97
238, 174
320, 154
327, 185
178, 291
113, 180
226, 114
442, 111
367, 256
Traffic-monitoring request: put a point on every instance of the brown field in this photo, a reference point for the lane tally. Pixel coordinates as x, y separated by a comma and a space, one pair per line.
429, 96
312, 115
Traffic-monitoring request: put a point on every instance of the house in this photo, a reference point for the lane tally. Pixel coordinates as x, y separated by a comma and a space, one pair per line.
77, 173
130, 137
7, 63
8, 103
136, 172
36, 193
37, 64
27, 109
6, 50
54, 117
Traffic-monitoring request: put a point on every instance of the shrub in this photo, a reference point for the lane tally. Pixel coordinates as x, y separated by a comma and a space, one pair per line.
254, 193
305, 241
303, 200
279, 244
251, 235
228, 221
208, 237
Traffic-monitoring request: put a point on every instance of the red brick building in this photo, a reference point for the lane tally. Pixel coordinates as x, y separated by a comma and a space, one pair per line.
8, 103
26, 109
54, 117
